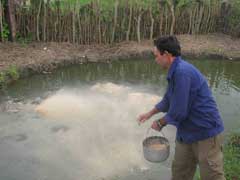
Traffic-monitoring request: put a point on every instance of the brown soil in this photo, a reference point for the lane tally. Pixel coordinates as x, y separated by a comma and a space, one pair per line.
44, 57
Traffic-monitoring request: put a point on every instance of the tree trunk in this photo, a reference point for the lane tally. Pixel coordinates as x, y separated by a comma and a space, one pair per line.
123, 24
115, 20
58, 24
44, 21
200, 15
139, 24
11, 19
38, 17
171, 7
161, 19
88, 32
48, 20
85, 28
79, 24
190, 22
1, 22
204, 20
129, 22
194, 20
152, 23
209, 19
166, 21
99, 22
73, 26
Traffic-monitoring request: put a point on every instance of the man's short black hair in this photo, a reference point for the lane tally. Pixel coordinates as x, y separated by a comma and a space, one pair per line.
169, 44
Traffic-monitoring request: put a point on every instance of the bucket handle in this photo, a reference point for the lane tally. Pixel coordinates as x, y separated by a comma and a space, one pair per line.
149, 129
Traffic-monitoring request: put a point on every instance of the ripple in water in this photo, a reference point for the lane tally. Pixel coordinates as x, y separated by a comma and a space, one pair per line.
107, 139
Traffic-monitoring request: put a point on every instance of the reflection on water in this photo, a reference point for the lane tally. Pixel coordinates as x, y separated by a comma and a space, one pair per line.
91, 128
108, 133
85, 126
223, 78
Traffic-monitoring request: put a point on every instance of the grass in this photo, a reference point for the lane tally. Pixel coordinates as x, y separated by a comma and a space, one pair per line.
9, 75
231, 158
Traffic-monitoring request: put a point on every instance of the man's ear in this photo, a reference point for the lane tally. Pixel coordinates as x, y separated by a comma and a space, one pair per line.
166, 52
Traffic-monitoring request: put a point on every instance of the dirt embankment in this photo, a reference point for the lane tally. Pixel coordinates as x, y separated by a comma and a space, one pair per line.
44, 57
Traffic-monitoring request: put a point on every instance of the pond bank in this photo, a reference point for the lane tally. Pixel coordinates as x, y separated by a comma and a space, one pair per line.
21, 60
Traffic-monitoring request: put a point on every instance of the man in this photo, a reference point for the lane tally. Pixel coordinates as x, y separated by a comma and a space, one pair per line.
190, 106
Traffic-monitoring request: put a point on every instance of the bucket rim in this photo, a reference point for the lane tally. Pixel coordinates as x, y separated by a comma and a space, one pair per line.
163, 139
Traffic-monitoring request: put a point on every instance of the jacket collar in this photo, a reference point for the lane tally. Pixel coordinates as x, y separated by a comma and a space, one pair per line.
173, 67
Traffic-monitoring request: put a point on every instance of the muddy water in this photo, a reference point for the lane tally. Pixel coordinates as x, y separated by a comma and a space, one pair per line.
80, 122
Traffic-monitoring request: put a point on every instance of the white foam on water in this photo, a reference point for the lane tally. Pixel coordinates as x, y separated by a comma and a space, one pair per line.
108, 138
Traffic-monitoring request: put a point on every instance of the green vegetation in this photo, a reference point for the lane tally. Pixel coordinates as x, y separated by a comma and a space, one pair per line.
231, 158
9, 75
109, 21
12, 72
234, 18
5, 32
2, 78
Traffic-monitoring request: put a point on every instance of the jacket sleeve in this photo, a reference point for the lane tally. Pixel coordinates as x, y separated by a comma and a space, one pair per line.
163, 105
179, 104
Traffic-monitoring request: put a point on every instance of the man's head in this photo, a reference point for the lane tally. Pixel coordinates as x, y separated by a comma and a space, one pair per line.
166, 49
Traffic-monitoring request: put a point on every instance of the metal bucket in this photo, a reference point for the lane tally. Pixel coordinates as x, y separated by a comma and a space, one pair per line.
156, 148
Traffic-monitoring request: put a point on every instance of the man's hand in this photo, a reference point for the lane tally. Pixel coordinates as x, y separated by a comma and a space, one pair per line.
144, 117
158, 124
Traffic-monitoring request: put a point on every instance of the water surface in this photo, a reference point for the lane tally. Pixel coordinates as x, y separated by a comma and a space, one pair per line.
87, 127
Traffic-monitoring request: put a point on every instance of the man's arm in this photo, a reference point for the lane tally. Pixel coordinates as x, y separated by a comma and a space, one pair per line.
144, 117
179, 105
162, 106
